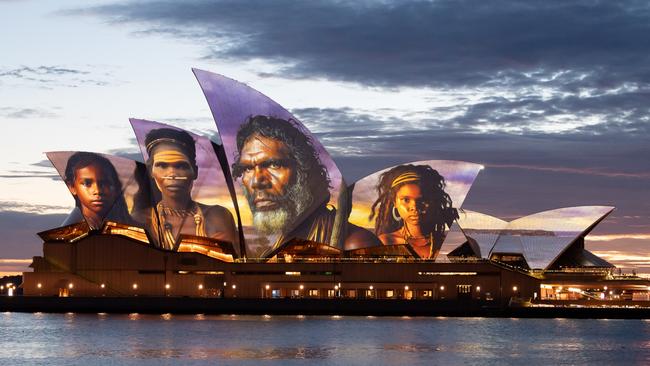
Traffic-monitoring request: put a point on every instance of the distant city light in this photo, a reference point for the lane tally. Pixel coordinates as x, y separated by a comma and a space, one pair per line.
167, 286
514, 288
70, 285
234, 287
267, 287
135, 286
442, 288
478, 288
102, 285
371, 287
39, 285
200, 286
406, 288
302, 287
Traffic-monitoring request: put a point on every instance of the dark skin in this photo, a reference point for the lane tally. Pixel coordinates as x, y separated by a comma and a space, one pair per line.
268, 171
176, 194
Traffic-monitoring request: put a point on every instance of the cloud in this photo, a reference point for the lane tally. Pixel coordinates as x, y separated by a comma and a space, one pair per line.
19, 239
7, 207
22, 113
447, 43
51, 76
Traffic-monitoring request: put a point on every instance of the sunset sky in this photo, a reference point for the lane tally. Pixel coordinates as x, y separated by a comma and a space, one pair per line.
552, 97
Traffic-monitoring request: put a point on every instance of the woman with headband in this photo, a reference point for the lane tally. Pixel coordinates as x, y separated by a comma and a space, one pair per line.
173, 170
413, 208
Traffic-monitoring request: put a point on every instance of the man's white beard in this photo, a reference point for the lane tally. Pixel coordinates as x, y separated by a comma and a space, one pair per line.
291, 206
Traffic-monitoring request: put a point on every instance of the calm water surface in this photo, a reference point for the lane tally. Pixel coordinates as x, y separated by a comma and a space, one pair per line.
64, 339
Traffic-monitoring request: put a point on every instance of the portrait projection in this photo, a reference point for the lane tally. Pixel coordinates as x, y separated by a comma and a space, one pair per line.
410, 207
288, 187
103, 187
189, 206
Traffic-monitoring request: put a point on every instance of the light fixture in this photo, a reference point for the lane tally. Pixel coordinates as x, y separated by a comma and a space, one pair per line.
478, 288
371, 287
514, 288
234, 287
267, 287
102, 285
200, 286
70, 285
39, 285
442, 288
135, 286
167, 286
302, 287
406, 288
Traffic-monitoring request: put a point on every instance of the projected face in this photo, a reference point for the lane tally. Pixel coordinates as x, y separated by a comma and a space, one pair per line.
94, 189
172, 171
410, 204
267, 172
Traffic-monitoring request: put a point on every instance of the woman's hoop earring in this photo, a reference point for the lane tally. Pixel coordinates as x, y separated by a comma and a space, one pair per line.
396, 215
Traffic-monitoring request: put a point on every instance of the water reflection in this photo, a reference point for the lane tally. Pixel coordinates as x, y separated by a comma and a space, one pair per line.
129, 339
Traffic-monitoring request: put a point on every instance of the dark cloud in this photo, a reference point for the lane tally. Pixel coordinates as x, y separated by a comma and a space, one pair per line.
537, 65
448, 43
19, 239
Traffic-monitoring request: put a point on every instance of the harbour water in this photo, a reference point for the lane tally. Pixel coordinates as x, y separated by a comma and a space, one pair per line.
88, 339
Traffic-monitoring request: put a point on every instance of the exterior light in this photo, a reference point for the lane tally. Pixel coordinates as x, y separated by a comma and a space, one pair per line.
302, 287
234, 287
514, 288
442, 288
167, 286
371, 287
200, 286
2, 287
102, 285
70, 285
478, 288
605, 288
225, 284
560, 288
336, 287
406, 288
611, 292
39, 285
267, 287
135, 286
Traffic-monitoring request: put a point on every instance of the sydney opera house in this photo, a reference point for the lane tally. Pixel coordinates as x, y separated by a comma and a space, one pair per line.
265, 214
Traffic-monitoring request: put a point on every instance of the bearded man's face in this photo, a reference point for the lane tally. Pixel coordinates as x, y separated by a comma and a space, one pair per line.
276, 192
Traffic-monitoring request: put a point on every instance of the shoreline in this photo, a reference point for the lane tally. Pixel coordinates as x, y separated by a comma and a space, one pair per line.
353, 307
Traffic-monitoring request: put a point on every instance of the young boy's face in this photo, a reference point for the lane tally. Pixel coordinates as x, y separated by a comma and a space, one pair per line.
94, 189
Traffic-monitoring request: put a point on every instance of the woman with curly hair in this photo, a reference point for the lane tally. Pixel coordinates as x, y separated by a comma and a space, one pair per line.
413, 208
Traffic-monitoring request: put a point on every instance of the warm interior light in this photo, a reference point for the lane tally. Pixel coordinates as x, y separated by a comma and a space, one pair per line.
39, 285
102, 285
267, 287
478, 288
442, 288
406, 288
70, 285
514, 288
167, 286
302, 287
200, 286
135, 286
371, 287
234, 287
